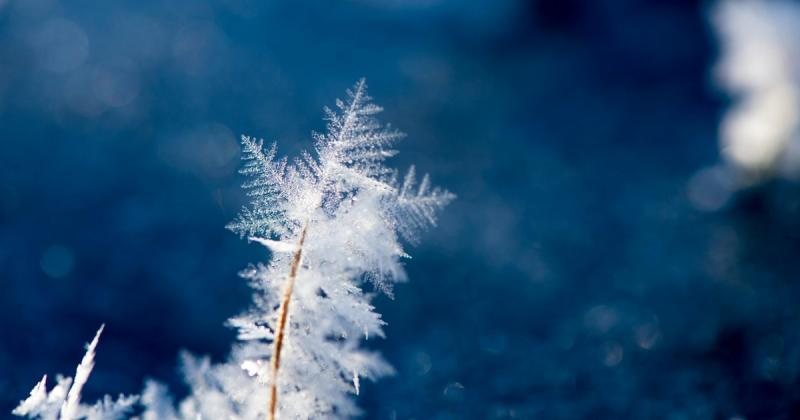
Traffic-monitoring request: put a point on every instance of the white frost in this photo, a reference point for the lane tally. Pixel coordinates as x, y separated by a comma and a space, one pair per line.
354, 210
63, 402
70, 408
275, 246
35, 400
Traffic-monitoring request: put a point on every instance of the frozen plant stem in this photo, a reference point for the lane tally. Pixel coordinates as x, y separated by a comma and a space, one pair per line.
283, 314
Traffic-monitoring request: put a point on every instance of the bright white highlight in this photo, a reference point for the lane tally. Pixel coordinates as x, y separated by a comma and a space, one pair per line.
760, 67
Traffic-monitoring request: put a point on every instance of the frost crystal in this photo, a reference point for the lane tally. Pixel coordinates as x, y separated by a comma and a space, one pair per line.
332, 222
63, 402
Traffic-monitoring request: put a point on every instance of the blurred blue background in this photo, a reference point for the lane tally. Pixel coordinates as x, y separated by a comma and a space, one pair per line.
573, 278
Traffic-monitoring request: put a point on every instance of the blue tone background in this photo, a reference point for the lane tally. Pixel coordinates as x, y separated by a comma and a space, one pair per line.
571, 279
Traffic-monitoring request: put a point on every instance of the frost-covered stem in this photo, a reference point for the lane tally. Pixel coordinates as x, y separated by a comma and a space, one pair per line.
283, 315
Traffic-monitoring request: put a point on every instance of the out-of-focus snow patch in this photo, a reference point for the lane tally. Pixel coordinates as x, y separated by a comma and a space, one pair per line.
760, 68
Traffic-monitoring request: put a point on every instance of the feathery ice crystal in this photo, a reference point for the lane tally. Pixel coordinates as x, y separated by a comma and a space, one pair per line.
332, 222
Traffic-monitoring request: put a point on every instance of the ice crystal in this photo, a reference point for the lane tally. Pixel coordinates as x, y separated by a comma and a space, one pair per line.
332, 221
63, 402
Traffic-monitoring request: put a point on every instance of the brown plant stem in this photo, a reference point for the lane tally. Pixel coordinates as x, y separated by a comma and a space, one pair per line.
283, 315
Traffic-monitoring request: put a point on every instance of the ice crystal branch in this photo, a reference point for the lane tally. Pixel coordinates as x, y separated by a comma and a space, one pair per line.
63, 402
333, 221
414, 208
283, 315
262, 217
71, 405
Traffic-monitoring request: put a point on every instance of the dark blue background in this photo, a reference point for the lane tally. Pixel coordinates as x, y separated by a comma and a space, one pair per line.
572, 278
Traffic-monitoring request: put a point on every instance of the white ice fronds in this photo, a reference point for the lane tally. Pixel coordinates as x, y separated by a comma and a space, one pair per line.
275, 246
158, 403
63, 401
332, 221
414, 208
35, 401
263, 217
352, 152
70, 408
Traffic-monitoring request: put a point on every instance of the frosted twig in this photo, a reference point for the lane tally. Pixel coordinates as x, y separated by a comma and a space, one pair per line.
283, 314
